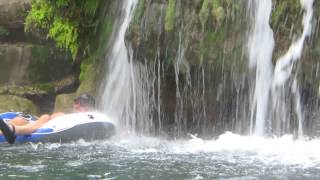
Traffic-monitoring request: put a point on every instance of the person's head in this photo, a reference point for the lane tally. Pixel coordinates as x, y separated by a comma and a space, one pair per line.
84, 102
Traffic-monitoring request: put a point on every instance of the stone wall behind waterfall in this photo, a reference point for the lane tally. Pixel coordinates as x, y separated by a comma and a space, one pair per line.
197, 52
29, 63
202, 77
38, 77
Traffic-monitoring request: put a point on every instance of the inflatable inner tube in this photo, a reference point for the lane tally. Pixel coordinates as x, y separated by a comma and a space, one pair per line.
88, 126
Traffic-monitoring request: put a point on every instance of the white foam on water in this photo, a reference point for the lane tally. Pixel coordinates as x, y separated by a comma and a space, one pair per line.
231, 147
74, 163
29, 168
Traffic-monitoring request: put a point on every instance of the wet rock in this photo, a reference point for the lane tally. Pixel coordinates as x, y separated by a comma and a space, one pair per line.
23, 64
63, 102
13, 12
88, 80
15, 103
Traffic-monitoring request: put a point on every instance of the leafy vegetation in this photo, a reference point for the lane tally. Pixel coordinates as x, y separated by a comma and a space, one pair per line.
68, 22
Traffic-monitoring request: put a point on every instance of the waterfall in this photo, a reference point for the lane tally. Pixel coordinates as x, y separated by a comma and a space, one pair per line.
284, 65
135, 93
129, 89
269, 84
261, 44
119, 93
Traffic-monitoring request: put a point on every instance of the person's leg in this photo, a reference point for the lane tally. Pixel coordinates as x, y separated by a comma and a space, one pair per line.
9, 130
31, 127
18, 121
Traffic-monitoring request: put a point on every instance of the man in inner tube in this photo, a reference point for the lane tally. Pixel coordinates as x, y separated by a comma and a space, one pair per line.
20, 126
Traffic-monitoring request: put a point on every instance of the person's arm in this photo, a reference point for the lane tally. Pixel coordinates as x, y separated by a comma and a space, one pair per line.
57, 114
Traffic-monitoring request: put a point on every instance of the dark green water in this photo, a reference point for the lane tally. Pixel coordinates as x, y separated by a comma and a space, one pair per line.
229, 157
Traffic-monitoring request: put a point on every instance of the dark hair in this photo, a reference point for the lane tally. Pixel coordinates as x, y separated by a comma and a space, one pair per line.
85, 99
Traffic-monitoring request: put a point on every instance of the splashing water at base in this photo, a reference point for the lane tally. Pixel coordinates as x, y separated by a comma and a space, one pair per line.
230, 156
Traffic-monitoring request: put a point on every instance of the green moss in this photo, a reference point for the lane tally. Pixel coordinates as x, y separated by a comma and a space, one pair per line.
48, 88
47, 64
204, 13
218, 11
286, 21
139, 11
99, 41
285, 12
278, 12
15, 103
88, 79
211, 46
170, 15
3, 32
84, 71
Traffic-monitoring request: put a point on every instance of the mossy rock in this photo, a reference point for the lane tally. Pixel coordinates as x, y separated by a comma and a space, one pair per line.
64, 102
13, 12
23, 64
20, 90
48, 64
87, 79
3, 32
16, 103
170, 15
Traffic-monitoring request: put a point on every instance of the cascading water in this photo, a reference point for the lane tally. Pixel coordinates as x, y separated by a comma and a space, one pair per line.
133, 90
132, 94
127, 95
117, 92
261, 45
269, 84
285, 64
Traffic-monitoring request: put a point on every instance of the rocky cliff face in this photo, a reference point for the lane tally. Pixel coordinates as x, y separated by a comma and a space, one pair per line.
201, 49
29, 66
12, 13
199, 46
34, 70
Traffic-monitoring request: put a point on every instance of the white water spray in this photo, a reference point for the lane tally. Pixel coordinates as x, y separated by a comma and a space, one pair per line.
284, 65
117, 91
261, 44
129, 95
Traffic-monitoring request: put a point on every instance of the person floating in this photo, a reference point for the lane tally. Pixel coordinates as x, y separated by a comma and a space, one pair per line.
21, 126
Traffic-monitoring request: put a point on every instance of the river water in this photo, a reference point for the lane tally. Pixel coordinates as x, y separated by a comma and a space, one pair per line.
228, 156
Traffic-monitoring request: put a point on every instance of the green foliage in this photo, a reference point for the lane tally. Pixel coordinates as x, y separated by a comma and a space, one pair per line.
170, 14
66, 35
68, 22
40, 15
